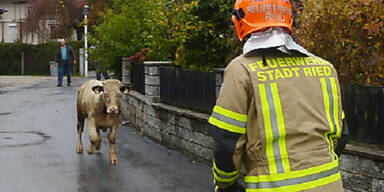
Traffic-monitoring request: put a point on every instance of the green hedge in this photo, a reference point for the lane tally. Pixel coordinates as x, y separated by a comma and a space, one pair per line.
10, 59
36, 57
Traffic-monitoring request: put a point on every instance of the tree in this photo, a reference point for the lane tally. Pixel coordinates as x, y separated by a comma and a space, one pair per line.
211, 41
128, 27
66, 14
347, 33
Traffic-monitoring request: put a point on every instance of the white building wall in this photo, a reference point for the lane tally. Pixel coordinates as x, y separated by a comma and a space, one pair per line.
11, 22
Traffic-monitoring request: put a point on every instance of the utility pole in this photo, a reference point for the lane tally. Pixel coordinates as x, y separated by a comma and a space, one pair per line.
86, 8
2, 24
22, 63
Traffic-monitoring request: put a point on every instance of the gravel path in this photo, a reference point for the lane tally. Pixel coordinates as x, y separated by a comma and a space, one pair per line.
14, 81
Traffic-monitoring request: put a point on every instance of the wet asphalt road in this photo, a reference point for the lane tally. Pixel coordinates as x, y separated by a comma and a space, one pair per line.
38, 142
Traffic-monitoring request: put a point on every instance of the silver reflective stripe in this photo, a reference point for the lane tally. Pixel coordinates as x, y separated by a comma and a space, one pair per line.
275, 129
229, 120
226, 176
331, 103
293, 181
331, 110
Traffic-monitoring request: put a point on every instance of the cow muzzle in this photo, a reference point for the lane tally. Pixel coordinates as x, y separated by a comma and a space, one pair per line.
113, 110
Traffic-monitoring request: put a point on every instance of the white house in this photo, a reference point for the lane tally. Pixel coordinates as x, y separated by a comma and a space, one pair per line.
11, 23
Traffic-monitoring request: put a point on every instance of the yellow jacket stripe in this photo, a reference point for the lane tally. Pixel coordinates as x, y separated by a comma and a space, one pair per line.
295, 180
336, 106
274, 124
228, 120
331, 110
230, 114
223, 176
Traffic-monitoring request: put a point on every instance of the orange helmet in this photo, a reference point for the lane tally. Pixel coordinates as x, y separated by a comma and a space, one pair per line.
254, 15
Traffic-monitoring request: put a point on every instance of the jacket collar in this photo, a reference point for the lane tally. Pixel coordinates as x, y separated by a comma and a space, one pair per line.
274, 37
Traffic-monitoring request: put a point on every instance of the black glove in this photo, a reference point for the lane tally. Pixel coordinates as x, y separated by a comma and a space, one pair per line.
342, 142
236, 187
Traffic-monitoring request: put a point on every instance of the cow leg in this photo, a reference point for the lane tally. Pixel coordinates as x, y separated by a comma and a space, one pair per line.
112, 139
80, 128
98, 144
93, 136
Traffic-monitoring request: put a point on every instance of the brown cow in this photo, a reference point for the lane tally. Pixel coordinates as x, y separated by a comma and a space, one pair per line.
99, 103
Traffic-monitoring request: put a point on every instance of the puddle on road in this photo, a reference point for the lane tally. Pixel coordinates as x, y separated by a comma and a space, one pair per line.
21, 138
33, 86
3, 91
5, 113
57, 93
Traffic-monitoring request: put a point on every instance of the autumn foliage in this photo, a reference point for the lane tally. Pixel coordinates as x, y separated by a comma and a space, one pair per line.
199, 35
350, 34
64, 16
139, 56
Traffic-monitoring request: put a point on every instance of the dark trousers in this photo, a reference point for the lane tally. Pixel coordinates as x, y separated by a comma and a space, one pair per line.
105, 75
65, 66
99, 73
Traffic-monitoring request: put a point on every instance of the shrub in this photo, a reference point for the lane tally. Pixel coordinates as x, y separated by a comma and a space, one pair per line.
348, 33
185, 31
208, 36
199, 35
10, 59
36, 57
128, 27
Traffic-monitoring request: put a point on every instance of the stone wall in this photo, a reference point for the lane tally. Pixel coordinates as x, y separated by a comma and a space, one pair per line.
363, 168
125, 70
187, 131
176, 128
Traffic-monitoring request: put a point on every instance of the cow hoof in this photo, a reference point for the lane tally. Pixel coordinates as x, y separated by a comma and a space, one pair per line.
114, 160
91, 151
79, 148
97, 146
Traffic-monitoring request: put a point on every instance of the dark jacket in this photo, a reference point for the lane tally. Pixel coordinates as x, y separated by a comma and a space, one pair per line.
70, 54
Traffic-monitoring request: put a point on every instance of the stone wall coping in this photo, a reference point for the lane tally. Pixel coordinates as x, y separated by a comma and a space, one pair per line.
219, 70
172, 109
182, 112
138, 96
152, 62
158, 63
367, 151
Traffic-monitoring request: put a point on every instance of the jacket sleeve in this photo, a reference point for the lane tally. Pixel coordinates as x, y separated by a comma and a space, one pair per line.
72, 53
228, 125
343, 140
57, 55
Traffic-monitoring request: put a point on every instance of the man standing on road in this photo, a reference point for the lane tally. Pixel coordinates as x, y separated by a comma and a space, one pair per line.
279, 112
64, 57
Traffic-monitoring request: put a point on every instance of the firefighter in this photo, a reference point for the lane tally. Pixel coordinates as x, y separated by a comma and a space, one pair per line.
279, 112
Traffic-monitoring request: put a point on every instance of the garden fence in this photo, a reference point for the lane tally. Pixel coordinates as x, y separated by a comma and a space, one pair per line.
188, 89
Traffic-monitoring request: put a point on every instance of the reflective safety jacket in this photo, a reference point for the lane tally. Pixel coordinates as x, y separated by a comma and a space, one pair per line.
280, 116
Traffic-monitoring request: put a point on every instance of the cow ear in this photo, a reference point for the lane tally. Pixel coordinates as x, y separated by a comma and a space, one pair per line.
98, 89
125, 88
